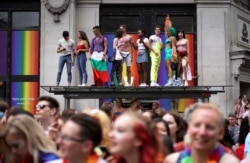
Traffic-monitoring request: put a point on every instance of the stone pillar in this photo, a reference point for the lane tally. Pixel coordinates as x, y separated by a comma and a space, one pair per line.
53, 22
213, 48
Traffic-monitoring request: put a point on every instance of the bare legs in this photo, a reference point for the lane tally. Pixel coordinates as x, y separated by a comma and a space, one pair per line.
142, 72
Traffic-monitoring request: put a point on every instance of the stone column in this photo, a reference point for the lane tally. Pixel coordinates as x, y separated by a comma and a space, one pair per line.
213, 47
53, 22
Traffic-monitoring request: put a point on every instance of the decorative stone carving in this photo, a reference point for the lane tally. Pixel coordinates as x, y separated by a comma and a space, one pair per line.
243, 3
239, 59
56, 11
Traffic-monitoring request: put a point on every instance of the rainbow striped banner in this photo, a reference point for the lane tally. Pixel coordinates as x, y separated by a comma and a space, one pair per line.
162, 75
24, 95
25, 50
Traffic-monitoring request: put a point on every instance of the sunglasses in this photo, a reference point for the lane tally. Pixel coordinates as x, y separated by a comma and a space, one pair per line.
39, 106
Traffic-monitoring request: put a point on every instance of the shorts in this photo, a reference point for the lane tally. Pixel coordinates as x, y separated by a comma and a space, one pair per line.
142, 57
168, 54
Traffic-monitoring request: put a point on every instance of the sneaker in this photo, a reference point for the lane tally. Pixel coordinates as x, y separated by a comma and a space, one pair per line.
169, 83
83, 85
143, 85
154, 84
185, 83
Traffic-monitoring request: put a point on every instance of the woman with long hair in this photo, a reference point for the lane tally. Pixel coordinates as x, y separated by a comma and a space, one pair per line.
176, 125
132, 141
170, 53
81, 49
182, 48
142, 57
25, 141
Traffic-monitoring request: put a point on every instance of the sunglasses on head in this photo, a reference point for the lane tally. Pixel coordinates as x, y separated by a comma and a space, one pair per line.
41, 106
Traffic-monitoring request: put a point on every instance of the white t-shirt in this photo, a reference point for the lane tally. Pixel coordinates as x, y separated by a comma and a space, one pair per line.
69, 45
141, 45
154, 40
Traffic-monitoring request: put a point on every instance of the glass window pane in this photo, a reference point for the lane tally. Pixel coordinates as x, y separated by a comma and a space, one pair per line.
179, 22
111, 23
25, 20
3, 20
3, 52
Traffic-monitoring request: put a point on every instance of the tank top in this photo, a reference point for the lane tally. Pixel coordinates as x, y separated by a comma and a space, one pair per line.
80, 47
215, 156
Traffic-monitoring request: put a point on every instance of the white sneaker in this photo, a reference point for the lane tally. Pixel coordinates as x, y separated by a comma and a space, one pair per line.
185, 83
82, 85
154, 84
143, 85
169, 83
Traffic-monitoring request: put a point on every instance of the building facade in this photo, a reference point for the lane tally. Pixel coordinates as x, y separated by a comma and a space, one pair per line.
218, 30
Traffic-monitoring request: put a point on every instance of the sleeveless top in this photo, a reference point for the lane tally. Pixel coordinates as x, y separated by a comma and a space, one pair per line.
215, 156
80, 47
168, 41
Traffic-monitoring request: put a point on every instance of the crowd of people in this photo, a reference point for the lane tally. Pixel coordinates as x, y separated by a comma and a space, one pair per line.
115, 134
176, 57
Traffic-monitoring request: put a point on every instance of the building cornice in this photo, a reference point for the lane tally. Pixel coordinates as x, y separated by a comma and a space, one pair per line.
88, 1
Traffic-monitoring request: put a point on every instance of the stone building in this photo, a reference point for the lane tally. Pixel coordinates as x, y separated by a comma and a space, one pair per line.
219, 28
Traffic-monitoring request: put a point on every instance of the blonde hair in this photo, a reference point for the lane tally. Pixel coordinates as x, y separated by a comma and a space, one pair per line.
206, 106
105, 123
27, 128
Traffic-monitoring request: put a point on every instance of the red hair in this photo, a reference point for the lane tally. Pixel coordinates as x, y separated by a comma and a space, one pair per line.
147, 150
142, 132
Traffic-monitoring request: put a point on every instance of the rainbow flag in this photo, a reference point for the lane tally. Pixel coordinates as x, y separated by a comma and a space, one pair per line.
25, 50
25, 95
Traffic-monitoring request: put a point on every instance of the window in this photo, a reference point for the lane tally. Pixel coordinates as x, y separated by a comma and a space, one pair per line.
111, 23
25, 20
185, 23
3, 20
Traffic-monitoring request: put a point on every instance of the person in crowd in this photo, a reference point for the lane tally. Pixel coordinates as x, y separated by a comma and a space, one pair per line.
118, 109
117, 63
160, 112
182, 48
16, 110
98, 52
227, 140
46, 110
170, 52
25, 141
142, 57
206, 127
65, 48
4, 108
125, 46
81, 49
155, 105
233, 128
107, 107
176, 125
244, 130
59, 120
77, 140
155, 45
239, 109
246, 108
161, 132
132, 140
